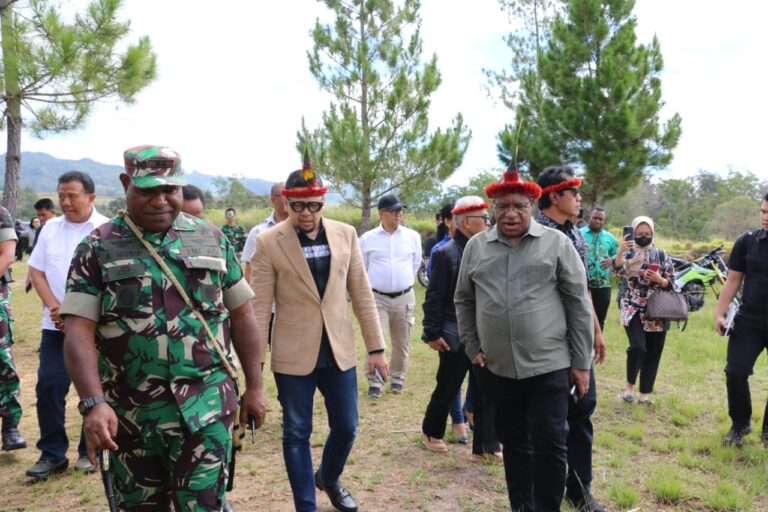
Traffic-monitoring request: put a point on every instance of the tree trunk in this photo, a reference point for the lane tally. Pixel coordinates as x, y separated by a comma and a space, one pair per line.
365, 220
13, 109
12, 158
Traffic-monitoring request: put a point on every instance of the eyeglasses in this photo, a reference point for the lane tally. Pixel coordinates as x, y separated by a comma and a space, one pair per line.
312, 206
502, 209
394, 212
485, 217
574, 191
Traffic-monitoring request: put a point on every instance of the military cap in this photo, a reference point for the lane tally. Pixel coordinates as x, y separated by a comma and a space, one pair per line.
153, 166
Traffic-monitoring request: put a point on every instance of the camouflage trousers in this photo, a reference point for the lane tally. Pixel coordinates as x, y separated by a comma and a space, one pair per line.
10, 404
163, 466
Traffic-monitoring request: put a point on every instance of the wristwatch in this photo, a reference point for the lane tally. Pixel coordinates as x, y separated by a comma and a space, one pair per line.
86, 404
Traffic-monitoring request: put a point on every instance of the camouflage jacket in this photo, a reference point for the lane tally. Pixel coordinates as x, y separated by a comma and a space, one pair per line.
7, 232
152, 349
236, 236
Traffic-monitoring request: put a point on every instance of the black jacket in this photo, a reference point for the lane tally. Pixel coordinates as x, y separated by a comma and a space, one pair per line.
438, 302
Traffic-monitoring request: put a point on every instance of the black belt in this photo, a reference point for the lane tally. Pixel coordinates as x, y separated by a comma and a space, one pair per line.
392, 295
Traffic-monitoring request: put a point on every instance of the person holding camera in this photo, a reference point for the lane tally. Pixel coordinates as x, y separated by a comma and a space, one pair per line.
645, 270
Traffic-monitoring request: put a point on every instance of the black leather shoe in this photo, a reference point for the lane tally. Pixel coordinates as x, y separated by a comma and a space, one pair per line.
339, 496
13, 440
43, 469
587, 504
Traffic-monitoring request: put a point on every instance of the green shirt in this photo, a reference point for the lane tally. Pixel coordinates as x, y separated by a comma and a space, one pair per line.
598, 248
153, 352
516, 303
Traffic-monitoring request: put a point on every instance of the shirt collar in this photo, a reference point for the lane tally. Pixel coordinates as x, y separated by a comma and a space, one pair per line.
763, 234
545, 220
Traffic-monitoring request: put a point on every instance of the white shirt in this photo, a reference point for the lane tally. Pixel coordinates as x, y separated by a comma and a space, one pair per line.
391, 259
250, 242
54, 250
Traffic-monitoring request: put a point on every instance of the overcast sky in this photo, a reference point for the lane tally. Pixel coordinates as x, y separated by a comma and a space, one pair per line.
233, 83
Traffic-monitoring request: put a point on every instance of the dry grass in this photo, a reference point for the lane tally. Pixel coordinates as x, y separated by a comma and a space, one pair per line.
667, 457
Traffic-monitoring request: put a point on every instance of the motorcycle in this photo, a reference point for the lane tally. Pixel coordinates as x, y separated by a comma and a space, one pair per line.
693, 277
421, 274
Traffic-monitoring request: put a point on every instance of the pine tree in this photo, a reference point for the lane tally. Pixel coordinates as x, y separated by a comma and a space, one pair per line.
594, 99
53, 71
375, 135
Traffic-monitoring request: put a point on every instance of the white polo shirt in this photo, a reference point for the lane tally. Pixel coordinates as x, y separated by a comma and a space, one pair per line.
250, 242
54, 250
391, 259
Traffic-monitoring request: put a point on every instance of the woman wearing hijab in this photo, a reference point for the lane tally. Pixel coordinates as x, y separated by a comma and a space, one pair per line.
645, 270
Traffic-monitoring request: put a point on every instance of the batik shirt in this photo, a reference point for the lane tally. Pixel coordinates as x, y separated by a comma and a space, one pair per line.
571, 231
153, 351
599, 247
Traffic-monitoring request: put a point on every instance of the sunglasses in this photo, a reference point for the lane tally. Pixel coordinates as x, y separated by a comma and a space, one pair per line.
312, 206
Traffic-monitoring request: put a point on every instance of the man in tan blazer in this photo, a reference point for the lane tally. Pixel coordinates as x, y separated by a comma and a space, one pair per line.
308, 265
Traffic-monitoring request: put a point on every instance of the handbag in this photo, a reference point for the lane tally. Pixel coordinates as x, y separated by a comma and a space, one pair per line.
450, 333
667, 305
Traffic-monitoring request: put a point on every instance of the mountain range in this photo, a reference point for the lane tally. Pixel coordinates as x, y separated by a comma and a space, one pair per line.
41, 171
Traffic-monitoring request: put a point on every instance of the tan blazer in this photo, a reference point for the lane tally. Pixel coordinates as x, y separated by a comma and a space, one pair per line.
280, 272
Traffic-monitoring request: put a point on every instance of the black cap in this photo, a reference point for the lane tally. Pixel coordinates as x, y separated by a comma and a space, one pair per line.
390, 202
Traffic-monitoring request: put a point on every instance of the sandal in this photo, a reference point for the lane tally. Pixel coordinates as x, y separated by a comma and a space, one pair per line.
627, 397
645, 401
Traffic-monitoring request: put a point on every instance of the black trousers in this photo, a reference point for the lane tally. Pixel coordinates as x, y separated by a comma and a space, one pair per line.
579, 441
748, 340
643, 354
601, 299
531, 425
450, 374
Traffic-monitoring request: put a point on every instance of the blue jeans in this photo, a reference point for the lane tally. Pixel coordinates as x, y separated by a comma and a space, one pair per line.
52, 387
296, 394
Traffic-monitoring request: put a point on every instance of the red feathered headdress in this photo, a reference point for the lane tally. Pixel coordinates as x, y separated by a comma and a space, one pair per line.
563, 185
461, 210
304, 182
511, 184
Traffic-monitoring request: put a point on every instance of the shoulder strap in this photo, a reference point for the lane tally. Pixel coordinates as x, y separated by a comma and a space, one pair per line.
169, 274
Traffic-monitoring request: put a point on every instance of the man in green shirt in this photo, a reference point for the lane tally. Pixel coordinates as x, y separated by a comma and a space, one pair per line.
601, 251
521, 286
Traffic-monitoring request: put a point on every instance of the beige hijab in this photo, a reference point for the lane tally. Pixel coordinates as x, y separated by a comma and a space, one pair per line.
634, 266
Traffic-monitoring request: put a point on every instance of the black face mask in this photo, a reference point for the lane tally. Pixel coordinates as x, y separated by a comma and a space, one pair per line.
643, 241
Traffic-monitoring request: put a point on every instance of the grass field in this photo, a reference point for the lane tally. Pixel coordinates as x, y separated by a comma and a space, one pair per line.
665, 457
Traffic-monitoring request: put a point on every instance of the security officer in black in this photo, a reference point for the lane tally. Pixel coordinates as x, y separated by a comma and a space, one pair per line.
748, 263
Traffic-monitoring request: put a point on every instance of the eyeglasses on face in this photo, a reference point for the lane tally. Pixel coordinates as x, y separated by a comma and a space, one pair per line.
394, 212
485, 217
574, 191
502, 209
312, 206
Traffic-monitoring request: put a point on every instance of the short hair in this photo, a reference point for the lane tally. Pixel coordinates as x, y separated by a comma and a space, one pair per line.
438, 216
446, 212
191, 192
230, 209
45, 203
552, 176
80, 176
596, 208
277, 188
765, 197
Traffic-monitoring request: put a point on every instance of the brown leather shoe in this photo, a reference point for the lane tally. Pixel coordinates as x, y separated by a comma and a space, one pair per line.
494, 458
433, 444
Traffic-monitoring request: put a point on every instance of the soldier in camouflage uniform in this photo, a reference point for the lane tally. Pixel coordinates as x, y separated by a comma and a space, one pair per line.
234, 232
10, 406
170, 402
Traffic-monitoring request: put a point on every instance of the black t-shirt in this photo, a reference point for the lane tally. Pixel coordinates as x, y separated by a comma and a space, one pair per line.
750, 257
317, 252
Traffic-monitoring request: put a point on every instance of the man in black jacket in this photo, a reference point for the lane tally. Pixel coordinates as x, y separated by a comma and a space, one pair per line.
441, 333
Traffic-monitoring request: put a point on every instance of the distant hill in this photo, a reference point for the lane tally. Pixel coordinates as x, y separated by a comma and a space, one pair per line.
41, 172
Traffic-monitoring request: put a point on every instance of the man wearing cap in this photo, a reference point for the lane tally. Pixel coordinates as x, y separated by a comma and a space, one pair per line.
155, 302
308, 265
392, 256
10, 403
521, 288
441, 333
560, 202
233, 231
48, 269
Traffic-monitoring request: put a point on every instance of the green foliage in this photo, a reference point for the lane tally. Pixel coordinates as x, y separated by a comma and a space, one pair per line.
375, 136
233, 194
591, 96
54, 71
705, 207
26, 206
